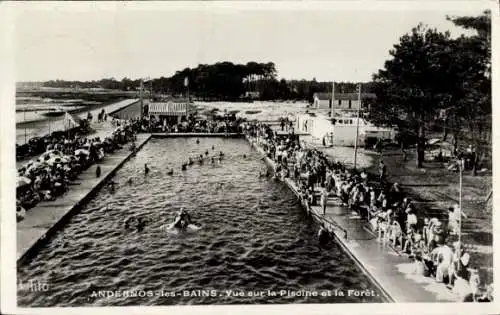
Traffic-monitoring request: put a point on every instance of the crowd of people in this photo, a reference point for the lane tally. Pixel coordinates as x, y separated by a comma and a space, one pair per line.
228, 124
36, 145
48, 176
430, 243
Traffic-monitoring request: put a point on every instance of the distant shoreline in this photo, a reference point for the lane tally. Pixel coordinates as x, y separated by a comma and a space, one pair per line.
27, 124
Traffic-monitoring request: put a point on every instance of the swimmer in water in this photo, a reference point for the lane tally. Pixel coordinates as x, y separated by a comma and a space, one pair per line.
183, 167
244, 156
206, 152
129, 181
111, 185
170, 172
200, 159
221, 154
127, 222
190, 162
184, 219
146, 169
213, 148
197, 141
323, 235
219, 160
140, 225
212, 160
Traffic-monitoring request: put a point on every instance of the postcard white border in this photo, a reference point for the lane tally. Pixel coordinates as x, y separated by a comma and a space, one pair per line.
7, 161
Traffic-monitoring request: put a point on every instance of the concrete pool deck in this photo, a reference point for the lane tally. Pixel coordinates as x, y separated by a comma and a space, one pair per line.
196, 134
47, 217
383, 265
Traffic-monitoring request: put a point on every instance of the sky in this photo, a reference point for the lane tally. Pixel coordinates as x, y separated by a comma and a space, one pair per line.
82, 41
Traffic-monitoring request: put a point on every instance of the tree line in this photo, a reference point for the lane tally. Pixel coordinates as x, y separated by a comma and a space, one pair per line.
223, 81
433, 80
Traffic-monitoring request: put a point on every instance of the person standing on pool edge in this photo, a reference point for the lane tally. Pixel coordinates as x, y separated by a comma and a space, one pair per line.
324, 198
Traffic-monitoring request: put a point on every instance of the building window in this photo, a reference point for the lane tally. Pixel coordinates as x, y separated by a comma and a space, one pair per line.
350, 104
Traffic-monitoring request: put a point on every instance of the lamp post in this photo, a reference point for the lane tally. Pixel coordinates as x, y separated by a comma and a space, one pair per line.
461, 171
357, 127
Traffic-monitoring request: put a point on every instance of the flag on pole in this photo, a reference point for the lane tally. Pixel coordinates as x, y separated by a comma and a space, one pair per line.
69, 121
186, 81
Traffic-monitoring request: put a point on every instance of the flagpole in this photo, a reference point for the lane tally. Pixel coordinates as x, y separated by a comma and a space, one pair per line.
357, 127
333, 99
66, 129
24, 114
141, 96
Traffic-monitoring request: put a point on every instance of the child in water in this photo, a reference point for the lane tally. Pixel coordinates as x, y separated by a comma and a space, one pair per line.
140, 225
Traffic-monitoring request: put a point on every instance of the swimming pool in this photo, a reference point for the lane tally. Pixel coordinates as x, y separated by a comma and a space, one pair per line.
254, 238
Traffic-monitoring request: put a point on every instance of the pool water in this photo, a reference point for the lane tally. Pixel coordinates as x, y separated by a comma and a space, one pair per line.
254, 236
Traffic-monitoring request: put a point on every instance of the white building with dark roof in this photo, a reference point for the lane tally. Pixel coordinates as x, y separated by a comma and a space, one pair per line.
170, 111
342, 101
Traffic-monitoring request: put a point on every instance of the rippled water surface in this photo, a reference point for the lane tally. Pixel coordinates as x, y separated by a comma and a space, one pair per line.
254, 237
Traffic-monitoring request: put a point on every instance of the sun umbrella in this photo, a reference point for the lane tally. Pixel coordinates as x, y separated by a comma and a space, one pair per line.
53, 160
48, 155
54, 152
81, 152
35, 166
23, 181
